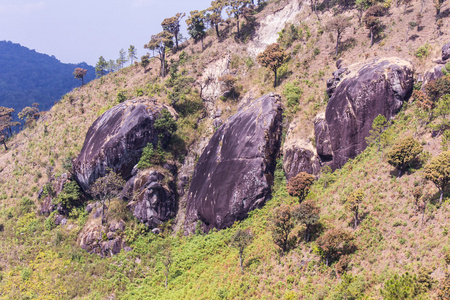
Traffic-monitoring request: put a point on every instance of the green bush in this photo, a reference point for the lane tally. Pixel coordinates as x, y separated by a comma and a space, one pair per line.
121, 96
403, 287
151, 157
423, 51
69, 197
26, 204
292, 92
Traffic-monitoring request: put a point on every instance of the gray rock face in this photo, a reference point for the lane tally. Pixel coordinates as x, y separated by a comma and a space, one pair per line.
323, 140
380, 86
116, 140
431, 75
154, 201
446, 51
299, 159
234, 174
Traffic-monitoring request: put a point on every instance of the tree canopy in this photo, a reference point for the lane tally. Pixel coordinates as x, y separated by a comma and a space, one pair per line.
438, 172
299, 185
172, 25
272, 58
403, 153
159, 43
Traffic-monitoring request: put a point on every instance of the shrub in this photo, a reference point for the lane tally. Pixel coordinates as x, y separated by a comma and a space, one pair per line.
69, 197
121, 96
292, 92
403, 153
401, 287
150, 157
166, 127
423, 51
26, 204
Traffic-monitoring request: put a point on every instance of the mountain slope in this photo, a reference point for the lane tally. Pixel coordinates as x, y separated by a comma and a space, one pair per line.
29, 77
41, 260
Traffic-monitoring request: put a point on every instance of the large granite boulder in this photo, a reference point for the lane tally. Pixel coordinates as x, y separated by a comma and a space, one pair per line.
379, 86
153, 197
116, 140
234, 174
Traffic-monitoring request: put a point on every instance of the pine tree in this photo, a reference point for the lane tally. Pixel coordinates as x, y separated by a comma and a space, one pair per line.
172, 25
159, 43
100, 68
132, 53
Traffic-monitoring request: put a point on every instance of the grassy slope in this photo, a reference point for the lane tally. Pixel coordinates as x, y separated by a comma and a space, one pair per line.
42, 263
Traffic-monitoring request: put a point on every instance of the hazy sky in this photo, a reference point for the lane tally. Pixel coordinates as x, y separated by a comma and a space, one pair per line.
83, 30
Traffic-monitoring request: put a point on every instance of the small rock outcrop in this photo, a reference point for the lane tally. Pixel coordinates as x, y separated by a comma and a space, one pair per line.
437, 71
50, 191
446, 52
116, 139
154, 198
379, 86
234, 174
299, 153
105, 240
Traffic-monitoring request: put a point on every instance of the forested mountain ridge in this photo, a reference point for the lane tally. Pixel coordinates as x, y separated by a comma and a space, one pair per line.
29, 77
216, 149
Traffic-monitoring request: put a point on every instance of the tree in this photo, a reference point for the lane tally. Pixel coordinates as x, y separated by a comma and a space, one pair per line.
403, 153
282, 223
372, 20
159, 43
79, 74
196, 25
273, 57
235, 8
29, 114
379, 124
172, 25
338, 24
112, 66
215, 16
132, 53
438, 172
240, 240
442, 110
308, 214
100, 67
3, 139
122, 58
353, 201
299, 185
334, 243
106, 188
6, 120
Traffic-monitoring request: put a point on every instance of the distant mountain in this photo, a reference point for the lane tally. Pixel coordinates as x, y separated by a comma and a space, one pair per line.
27, 76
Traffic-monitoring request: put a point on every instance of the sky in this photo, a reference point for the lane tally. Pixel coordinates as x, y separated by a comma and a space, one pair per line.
83, 30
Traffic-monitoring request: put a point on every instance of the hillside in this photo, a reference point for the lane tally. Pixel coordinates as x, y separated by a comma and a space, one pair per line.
205, 88
29, 77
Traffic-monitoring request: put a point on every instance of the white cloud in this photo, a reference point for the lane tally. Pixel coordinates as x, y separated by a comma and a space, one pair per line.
21, 8
142, 3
